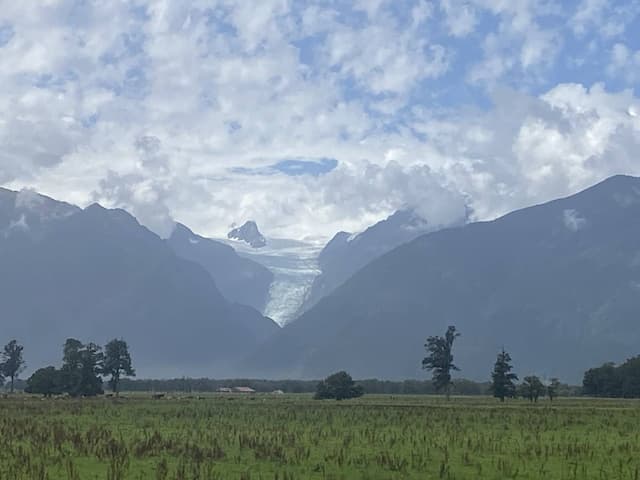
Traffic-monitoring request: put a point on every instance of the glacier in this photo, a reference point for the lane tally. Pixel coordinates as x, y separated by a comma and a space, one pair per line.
294, 265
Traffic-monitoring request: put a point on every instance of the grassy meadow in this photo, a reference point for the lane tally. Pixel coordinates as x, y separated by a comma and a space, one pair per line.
294, 437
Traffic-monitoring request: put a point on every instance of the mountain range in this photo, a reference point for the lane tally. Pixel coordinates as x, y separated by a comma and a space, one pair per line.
96, 274
557, 285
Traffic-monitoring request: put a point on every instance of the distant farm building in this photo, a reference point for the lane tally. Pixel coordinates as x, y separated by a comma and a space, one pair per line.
243, 390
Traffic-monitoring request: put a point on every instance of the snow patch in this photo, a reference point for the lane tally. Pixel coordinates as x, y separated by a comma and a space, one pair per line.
573, 221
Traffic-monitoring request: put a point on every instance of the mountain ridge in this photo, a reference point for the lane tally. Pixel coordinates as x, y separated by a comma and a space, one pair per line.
561, 275
98, 274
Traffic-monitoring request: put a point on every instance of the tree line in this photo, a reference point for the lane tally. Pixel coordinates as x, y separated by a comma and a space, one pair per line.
609, 380
370, 385
82, 371
84, 367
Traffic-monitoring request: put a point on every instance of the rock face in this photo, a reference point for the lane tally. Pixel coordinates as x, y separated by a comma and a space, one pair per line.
558, 285
239, 279
249, 234
97, 274
346, 253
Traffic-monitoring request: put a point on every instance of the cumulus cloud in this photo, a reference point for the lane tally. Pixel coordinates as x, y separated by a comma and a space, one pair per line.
624, 63
145, 192
194, 111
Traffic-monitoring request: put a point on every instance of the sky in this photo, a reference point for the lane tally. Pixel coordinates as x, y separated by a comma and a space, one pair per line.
311, 117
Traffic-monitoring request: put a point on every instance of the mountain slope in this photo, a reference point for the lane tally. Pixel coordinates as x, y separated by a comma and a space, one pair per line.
345, 254
97, 274
557, 284
239, 279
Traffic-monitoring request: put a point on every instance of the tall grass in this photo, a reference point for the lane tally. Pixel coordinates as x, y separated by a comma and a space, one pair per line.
294, 437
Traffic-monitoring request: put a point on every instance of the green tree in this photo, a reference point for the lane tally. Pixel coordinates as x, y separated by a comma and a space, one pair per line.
629, 374
532, 388
12, 363
82, 365
46, 381
604, 381
340, 386
503, 379
117, 362
440, 359
552, 388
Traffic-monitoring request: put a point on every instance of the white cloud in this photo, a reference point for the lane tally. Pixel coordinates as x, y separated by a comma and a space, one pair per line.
157, 106
20, 224
460, 16
521, 44
587, 14
573, 221
606, 19
624, 64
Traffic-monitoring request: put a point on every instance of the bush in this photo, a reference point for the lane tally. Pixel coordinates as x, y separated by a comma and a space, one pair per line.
339, 386
46, 381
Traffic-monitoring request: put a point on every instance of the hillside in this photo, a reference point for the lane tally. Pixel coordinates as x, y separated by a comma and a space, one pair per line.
95, 274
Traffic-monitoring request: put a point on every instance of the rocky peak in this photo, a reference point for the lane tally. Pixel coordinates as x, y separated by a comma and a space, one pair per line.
248, 233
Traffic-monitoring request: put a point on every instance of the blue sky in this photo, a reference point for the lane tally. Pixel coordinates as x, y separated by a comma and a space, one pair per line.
316, 116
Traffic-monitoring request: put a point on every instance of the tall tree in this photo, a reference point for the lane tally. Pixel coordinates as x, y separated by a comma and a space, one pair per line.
82, 365
12, 363
439, 359
117, 362
552, 389
503, 379
532, 388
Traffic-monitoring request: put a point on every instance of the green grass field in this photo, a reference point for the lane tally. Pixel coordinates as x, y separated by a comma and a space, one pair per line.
295, 437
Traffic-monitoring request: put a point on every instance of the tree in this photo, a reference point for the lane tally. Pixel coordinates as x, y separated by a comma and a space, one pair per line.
117, 362
440, 359
604, 381
532, 388
46, 381
502, 379
81, 368
629, 374
12, 362
552, 388
339, 386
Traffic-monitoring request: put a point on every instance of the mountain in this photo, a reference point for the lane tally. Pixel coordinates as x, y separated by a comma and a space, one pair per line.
248, 233
96, 274
346, 253
27, 211
239, 279
558, 285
